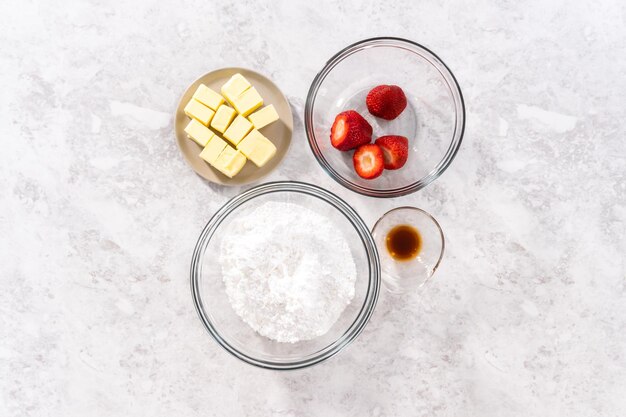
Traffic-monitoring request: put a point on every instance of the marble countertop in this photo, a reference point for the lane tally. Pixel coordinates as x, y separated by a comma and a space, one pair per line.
99, 213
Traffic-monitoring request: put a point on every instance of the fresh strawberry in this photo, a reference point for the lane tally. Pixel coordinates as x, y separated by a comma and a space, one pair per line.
368, 161
350, 130
386, 101
395, 150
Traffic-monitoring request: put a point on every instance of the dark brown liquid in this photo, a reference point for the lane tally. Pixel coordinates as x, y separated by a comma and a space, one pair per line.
403, 242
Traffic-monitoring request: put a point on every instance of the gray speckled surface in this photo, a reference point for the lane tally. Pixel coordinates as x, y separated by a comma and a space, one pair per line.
99, 213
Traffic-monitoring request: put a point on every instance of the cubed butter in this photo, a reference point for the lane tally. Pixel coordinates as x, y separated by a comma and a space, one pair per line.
238, 129
208, 97
234, 87
199, 111
230, 162
257, 148
263, 117
248, 102
198, 132
223, 116
213, 149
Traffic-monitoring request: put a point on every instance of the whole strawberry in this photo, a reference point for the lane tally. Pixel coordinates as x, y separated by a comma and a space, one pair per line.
395, 150
386, 101
368, 161
350, 130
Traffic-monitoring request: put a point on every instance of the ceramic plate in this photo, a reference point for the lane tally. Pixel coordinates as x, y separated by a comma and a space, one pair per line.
278, 132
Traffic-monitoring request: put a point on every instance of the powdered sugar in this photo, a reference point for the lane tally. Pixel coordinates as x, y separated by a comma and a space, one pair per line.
288, 272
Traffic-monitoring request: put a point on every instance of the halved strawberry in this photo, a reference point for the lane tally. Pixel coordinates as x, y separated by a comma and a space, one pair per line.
395, 150
350, 130
368, 161
386, 101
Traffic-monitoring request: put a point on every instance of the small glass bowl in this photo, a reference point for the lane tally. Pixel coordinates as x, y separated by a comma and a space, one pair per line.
434, 120
401, 276
237, 337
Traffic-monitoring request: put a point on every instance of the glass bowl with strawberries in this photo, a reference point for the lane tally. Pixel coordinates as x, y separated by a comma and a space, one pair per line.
385, 117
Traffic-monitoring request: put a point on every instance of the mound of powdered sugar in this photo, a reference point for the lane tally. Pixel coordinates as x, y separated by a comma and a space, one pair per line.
288, 272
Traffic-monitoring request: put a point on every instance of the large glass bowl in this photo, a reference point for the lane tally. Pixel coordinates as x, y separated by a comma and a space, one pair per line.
237, 337
433, 121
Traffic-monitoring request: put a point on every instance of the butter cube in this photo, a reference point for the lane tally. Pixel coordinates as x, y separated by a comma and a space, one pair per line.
230, 162
198, 132
208, 97
257, 148
263, 117
213, 149
235, 87
199, 111
248, 102
238, 129
223, 116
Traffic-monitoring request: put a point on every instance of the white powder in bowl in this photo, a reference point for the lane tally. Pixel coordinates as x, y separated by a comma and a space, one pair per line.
288, 272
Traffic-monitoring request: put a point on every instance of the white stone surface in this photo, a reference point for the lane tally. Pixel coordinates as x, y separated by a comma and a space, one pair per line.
99, 213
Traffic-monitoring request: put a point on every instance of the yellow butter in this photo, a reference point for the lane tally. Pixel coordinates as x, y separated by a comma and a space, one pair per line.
213, 149
230, 162
208, 97
234, 87
199, 111
263, 117
257, 148
198, 132
248, 102
238, 129
223, 116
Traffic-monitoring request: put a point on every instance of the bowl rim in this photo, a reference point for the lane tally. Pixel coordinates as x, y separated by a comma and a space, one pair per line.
457, 137
374, 267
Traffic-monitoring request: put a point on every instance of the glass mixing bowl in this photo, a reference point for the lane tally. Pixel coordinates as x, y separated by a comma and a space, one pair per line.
237, 337
433, 121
